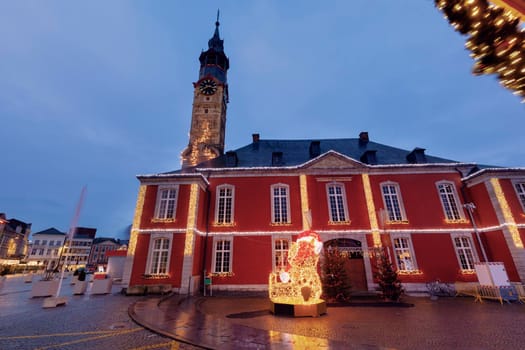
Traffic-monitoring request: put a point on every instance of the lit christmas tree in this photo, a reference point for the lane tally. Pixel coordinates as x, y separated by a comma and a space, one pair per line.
386, 276
336, 284
495, 39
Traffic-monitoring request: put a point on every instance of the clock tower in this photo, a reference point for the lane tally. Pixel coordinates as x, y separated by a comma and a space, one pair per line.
210, 96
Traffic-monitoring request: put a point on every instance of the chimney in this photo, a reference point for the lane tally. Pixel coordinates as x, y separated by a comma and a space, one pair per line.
255, 142
315, 149
363, 137
417, 156
231, 159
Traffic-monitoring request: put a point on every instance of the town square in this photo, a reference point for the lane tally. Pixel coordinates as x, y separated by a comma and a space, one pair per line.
263, 175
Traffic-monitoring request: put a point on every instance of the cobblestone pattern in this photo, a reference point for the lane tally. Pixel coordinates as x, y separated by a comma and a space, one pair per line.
85, 322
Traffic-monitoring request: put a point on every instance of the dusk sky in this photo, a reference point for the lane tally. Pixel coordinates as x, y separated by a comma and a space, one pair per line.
93, 93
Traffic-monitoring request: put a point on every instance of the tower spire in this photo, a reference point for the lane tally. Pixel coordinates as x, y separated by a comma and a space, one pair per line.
215, 42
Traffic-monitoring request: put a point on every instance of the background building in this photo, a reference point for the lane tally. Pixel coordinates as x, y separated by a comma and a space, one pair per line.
99, 249
78, 248
14, 236
46, 248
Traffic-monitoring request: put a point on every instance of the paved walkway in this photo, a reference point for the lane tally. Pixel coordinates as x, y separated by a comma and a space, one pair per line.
243, 322
181, 318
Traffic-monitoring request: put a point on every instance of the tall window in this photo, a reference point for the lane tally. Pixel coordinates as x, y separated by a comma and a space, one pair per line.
222, 257
280, 249
224, 210
393, 203
166, 203
159, 255
404, 256
448, 196
463, 245
337, 203
280, 204
520, 190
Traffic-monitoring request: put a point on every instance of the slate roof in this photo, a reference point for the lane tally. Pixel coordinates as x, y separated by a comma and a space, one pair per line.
99, 240
50, 231
297, 152
85, 233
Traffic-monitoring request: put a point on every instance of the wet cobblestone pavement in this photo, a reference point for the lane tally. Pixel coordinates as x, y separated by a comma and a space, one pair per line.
244, 322
85, 322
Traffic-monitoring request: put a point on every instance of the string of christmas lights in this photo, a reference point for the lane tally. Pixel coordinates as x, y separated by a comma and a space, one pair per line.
495, 39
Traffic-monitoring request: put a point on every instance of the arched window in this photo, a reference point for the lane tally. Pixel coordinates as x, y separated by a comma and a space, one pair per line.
337, 206
224, 204
449, 200
222, 255
159, 255
280, 195
393, 202
280, 253
166, 202
466, 255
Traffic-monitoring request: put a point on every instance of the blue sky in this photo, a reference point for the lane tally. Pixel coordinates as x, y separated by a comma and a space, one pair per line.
93, 93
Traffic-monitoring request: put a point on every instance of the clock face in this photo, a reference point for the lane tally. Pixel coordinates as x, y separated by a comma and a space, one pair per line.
208, 87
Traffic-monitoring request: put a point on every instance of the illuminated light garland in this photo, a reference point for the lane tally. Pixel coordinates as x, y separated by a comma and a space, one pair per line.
190, 226
371, 211
410, 272
135, 227
507, 214
332, 232
222, 274
165, 221
305, 207
495, 38
455, 221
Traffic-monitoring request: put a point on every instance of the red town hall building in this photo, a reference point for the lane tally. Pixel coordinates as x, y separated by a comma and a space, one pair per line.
233, 215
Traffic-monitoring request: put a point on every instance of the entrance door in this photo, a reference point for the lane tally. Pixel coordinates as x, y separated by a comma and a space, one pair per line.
354, 264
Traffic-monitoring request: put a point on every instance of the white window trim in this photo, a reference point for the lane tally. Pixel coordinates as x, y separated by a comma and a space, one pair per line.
214, 255
157, 204
458, 203
275, 238
272, 197
153, 237
472, 248
345, 204
399, 199
408, 237
514, 184
217, 190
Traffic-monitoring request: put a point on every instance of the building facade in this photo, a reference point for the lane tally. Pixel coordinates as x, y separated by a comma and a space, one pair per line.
100, 248
232, 216
14, 236
77, 249
46, 248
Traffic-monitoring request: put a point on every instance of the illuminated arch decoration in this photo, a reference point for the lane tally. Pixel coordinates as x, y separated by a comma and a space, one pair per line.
297, 290
495, 37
